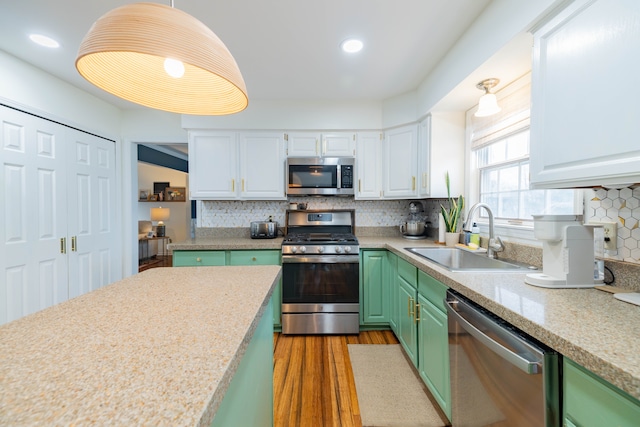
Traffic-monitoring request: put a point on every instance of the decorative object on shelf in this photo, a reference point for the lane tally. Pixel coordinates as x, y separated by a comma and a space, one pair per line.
488, 103
153, 197
451, 216
160, 215
176, 194
162, 58
144, 194
159, 187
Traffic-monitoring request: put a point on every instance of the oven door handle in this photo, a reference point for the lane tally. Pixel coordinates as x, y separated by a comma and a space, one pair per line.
320, 259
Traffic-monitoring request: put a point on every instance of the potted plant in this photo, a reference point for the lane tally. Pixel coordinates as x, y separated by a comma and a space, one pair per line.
451, 216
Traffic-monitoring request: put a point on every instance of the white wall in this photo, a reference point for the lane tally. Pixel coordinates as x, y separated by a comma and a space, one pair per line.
501, 21
24, 85
178, 225
295, 115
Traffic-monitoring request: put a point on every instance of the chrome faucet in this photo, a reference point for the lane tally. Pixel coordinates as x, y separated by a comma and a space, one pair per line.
495, 243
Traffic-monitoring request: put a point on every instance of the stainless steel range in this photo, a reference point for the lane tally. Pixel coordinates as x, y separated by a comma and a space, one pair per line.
320, 270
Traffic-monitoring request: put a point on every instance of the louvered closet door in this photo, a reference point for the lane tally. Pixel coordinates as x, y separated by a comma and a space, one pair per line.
92, 213
33, 214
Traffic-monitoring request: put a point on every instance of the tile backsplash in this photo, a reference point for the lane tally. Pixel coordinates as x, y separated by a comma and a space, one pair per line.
369, 213
621, 206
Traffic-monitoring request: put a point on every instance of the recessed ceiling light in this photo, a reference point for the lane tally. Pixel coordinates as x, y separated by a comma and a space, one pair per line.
352, 45
44, 40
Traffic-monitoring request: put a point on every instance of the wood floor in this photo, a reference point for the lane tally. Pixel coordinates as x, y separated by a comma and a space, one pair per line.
313, 380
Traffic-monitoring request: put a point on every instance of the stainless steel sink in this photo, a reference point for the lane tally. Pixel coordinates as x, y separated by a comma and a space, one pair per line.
458, 260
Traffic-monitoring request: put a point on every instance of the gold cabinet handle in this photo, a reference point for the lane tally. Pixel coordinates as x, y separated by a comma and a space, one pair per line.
233, 185
411, 308
253, 259
413, 183
359, 186
317, 146
74, 247
198, 259
63, 245
243, 185
417, 313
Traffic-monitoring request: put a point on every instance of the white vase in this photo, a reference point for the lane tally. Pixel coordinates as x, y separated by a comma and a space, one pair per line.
451, 239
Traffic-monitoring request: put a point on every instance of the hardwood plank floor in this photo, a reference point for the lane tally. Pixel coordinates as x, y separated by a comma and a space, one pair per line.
313, 380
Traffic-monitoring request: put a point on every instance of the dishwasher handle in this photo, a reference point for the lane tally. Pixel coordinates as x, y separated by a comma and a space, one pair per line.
528, 366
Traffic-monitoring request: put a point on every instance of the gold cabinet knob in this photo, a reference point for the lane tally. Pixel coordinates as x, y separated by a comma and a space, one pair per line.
198, 259
253, 259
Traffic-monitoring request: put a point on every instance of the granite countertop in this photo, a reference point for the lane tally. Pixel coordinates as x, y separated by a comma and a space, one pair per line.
156, 348
588, 326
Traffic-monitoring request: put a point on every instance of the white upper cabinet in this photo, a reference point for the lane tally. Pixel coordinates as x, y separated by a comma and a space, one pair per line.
236, 165
400, 163
585, 105
338, 144
262, 166
441, 150
368, 166
315, 144
213, 165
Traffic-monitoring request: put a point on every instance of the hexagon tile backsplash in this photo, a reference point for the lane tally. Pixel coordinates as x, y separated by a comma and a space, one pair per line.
621, 206
384, 213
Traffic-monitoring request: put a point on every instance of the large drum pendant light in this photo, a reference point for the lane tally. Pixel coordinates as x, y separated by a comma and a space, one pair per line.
125, 52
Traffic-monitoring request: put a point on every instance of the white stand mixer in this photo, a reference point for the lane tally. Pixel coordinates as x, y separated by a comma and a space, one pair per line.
567, 252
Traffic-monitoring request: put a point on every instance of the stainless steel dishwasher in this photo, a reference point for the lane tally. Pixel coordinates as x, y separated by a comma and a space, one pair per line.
499, 375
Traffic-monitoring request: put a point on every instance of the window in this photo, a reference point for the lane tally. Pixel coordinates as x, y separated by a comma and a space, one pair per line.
500, 163
503, 179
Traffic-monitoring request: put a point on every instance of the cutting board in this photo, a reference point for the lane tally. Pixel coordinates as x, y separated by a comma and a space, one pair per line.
614, 289
631, 298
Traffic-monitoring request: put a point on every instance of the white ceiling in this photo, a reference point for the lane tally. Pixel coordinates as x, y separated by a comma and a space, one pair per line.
286, 49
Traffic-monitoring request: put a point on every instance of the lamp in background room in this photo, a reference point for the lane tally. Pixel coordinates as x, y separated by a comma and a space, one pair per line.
160, 215
488, 103
163, 58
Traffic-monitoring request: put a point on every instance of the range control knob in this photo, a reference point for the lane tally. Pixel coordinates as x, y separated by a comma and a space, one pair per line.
347, 249
320, 249
338, 249
302, 249
294, 249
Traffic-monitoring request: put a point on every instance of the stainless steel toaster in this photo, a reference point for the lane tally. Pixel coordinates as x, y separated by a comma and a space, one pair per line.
264, 229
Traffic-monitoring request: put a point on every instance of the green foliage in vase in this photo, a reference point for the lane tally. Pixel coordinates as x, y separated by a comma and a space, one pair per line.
452, 215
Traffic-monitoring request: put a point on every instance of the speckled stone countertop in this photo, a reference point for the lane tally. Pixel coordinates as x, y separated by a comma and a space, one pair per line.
156, 348
587, 325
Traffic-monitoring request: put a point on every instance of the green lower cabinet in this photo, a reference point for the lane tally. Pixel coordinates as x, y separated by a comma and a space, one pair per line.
590, 401
406, 303
199, 258
433, 353
256, 257
249, 398
374, 288
392, 280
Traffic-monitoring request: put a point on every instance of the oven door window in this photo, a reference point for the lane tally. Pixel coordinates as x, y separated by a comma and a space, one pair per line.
313, 176
319, 283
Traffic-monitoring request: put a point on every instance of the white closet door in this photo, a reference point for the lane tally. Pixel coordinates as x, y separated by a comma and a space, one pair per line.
92, 228
33, 214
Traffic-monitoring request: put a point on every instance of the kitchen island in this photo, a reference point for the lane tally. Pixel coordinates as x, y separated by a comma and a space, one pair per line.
158, 348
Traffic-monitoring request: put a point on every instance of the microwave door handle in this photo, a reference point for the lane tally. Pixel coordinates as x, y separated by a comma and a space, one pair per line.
528, 366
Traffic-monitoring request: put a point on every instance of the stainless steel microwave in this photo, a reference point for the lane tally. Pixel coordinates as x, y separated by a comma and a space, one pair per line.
321, 176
